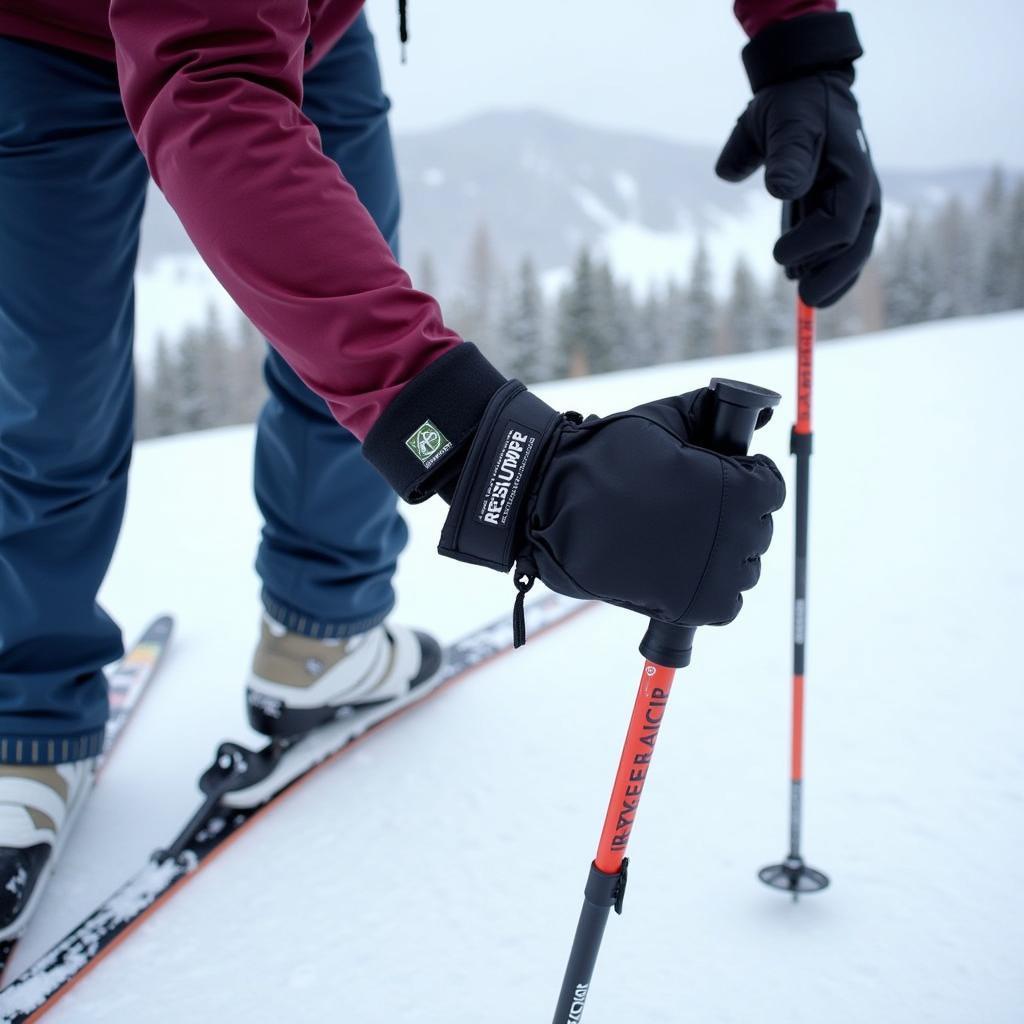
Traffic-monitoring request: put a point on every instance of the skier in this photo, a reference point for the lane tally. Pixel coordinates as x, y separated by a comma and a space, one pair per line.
266, 128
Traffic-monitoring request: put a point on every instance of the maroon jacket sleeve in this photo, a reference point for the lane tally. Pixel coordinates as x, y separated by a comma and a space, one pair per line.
755, 15
212, 92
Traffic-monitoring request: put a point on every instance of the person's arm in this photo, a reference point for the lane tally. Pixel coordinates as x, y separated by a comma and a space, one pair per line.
212, 92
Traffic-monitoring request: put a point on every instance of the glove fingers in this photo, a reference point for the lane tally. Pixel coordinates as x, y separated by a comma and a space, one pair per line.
751, 573
792, 154
737, 608
827, 282
769, 483
831, 227
740, 155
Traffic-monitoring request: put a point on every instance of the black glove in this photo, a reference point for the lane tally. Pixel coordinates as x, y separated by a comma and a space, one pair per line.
628, 509
804, 127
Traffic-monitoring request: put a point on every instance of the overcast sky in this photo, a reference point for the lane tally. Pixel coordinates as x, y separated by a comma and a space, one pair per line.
942, 82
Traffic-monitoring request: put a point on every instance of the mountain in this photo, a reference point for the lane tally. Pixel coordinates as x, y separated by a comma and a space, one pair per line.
435, 875
545, 186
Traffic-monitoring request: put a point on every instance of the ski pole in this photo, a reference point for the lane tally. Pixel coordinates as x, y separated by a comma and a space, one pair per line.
665, 648
793, 875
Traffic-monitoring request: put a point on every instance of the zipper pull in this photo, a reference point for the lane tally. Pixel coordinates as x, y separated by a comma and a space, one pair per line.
523, 581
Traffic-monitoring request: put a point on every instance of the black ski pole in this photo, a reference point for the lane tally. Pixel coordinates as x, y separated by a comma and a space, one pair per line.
665, 648
792, 874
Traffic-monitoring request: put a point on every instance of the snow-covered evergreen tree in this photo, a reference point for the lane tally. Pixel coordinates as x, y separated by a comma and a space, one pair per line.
701, 317
248, 354
219, 388
744, 318
779, 318
523, 327
583, 343
648, 332
474, 314
162, 394
675, 322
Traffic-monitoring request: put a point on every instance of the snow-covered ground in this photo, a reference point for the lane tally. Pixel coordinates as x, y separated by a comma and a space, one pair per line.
435, 874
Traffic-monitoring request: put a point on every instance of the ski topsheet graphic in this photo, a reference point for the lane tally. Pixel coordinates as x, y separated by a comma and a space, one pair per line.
216, 822
128, 680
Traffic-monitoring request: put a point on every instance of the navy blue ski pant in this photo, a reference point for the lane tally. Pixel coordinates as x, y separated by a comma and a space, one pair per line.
72, 188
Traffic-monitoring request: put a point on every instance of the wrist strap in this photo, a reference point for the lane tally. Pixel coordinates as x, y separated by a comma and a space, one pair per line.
483, 524
427, 427
790, 49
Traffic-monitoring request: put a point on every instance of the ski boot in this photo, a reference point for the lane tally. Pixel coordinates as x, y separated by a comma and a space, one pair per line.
310, 695
38, 807
299, 683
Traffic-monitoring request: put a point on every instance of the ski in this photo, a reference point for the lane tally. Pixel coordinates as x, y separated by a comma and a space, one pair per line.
216, 823
127, 682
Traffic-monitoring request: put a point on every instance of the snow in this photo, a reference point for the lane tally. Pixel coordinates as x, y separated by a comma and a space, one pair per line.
435, 874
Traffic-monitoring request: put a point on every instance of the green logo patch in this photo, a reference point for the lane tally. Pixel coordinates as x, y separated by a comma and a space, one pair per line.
428, 444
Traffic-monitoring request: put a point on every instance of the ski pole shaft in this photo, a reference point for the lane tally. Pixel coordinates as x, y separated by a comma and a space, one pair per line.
665, 648
800, 446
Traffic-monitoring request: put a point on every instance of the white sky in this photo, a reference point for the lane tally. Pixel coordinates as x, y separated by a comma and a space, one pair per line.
942, 82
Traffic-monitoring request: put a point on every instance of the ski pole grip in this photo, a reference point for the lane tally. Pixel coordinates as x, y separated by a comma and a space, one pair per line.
736, 407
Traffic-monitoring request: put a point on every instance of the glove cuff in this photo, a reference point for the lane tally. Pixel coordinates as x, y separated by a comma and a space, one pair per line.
483, 524
801, 46
424, 430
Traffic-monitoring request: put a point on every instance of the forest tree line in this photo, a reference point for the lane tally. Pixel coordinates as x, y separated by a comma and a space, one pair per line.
959, 259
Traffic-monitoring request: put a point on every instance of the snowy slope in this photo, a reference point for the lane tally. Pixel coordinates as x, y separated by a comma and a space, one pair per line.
435, 875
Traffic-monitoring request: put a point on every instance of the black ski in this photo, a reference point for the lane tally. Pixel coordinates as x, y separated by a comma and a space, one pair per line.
38, 987
128, 680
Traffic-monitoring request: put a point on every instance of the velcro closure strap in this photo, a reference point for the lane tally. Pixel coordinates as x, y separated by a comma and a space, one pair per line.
483, 523
800, 46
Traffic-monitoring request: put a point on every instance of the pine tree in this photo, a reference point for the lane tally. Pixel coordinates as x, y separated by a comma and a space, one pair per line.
648, 333
675, 323
192, 412
247, 359
780, 311
611, 343
163, 392
700, 316
577, 319
589, 320
474, 313
1016, 232
219, 394
744, 326
997, 250
909, 290
523, 327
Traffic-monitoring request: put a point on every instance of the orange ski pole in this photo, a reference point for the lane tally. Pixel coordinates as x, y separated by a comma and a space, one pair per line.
665, 648
792, 874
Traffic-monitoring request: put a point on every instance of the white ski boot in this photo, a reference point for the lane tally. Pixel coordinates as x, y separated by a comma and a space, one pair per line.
299, 683
38, 807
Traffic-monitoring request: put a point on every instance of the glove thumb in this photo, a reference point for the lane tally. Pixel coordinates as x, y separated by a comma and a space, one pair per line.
740, 156
792, 157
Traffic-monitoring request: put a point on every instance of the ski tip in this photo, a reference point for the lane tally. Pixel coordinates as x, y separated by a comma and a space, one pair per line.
159, 629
